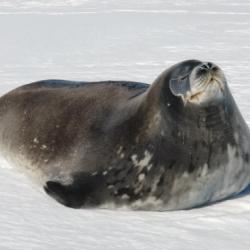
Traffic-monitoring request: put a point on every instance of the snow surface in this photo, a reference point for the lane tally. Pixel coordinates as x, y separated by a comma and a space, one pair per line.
127, 40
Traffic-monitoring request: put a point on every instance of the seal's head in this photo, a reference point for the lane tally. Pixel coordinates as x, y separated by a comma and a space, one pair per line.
196, 82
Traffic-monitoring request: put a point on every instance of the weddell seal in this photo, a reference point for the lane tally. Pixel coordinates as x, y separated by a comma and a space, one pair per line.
176, 144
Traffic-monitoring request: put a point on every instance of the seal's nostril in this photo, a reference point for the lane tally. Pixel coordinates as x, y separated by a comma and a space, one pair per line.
206, 66
210, 65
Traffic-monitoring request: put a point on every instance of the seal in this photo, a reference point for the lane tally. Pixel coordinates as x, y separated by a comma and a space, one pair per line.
178, 143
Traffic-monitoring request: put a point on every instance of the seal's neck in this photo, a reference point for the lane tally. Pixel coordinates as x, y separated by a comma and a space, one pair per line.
163, 110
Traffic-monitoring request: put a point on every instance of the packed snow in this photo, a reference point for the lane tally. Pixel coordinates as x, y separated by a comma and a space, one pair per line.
119, 40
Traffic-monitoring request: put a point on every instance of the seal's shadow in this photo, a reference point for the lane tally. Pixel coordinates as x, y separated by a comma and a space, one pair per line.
245, 192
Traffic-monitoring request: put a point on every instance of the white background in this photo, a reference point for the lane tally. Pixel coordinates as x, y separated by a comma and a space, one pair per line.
119, 40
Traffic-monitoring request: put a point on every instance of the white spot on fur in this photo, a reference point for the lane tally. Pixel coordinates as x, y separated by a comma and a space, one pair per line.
44, 147
143, 162
134, 159
104, 173
204, 170
119, 150
185, 174
149, 167
120, 153
157, 118
141, 177
110, 186
125, 197
154, 184
35, 140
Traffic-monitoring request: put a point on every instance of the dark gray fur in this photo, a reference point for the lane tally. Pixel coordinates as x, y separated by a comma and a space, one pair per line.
96, 128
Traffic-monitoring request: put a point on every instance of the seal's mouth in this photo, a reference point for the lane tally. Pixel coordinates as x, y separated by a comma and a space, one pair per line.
204, 83
207, 82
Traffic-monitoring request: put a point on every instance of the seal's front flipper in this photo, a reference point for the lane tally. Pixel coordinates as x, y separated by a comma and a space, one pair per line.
84, 190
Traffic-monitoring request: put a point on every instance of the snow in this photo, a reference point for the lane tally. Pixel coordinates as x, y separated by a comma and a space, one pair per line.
127, 40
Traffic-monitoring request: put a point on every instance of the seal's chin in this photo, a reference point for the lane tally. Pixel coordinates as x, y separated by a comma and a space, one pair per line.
207, 84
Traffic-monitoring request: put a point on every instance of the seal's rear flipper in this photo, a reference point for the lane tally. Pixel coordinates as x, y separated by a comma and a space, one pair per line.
83, 190
61, 193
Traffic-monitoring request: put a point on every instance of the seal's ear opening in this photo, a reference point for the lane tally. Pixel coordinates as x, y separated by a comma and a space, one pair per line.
180, 86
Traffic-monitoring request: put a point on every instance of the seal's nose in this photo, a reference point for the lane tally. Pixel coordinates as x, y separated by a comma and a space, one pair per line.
207, 66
